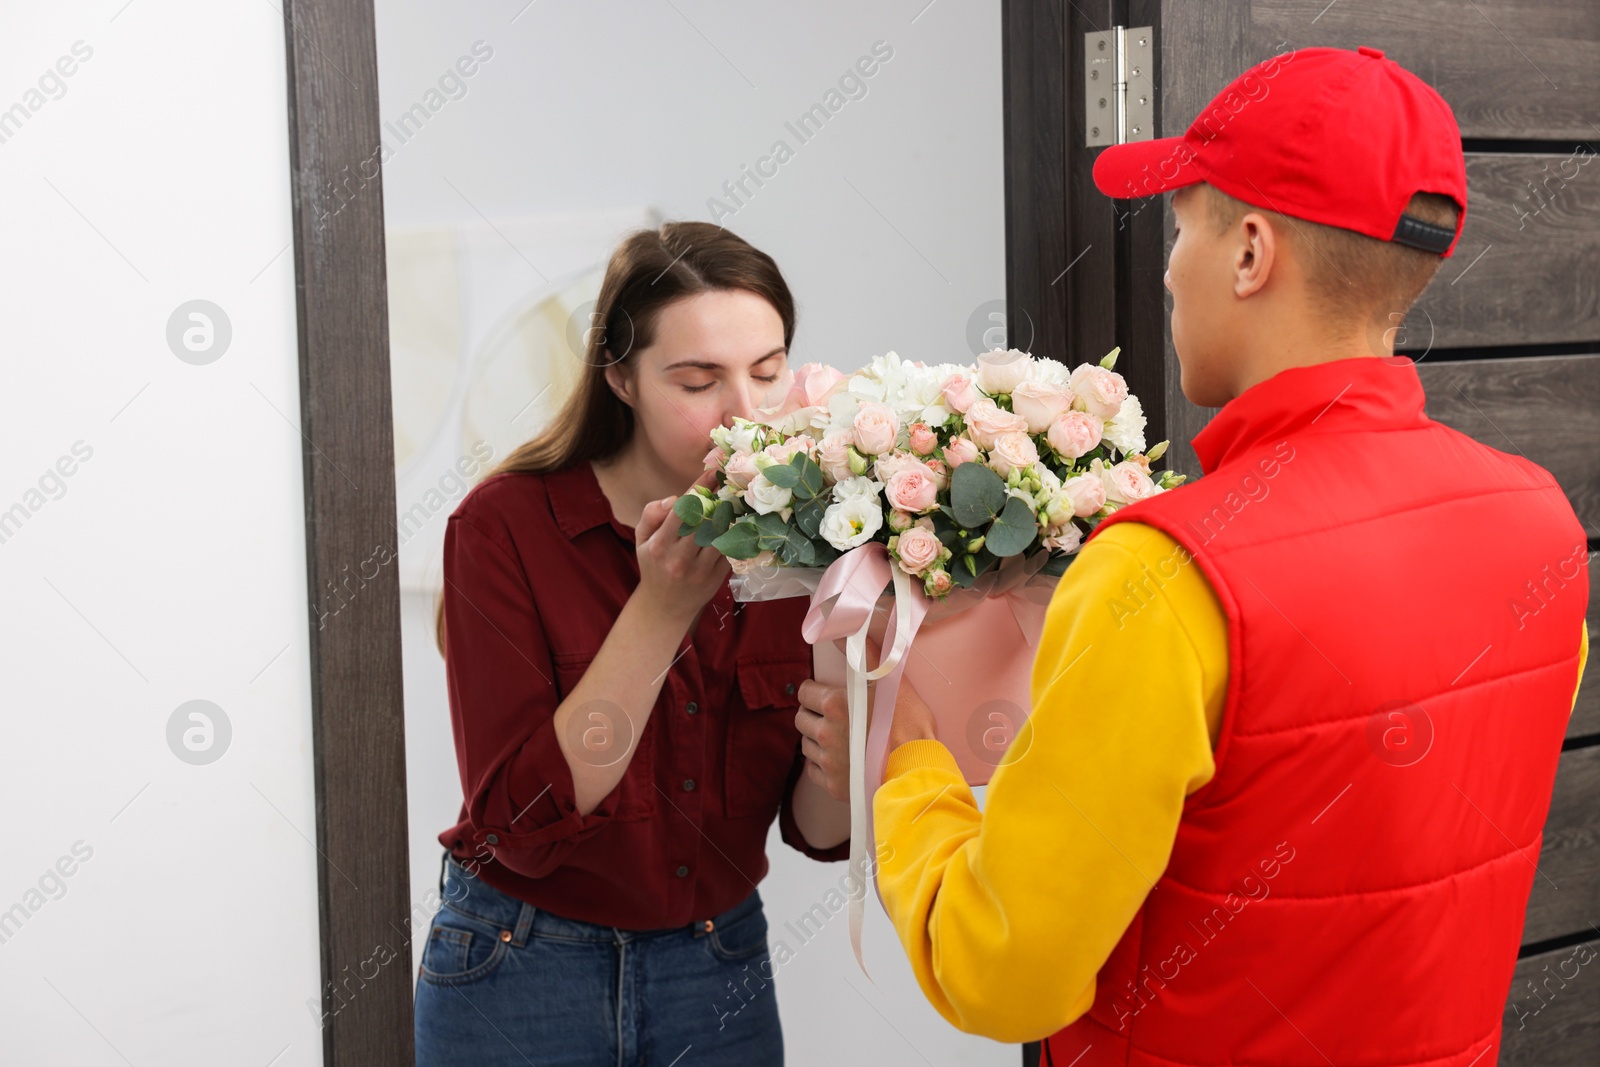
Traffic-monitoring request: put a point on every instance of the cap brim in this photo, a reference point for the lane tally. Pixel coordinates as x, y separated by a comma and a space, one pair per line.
1145, 168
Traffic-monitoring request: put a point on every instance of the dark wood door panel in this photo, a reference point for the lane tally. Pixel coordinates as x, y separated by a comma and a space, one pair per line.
1527, 267
1566, 894
1550, 1018
1526, 69
1546, 408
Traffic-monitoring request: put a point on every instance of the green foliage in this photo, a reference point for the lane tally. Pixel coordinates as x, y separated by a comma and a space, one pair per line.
976, 495
1013, 530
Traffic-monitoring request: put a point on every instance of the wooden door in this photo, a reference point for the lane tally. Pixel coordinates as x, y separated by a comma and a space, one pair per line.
1507, 337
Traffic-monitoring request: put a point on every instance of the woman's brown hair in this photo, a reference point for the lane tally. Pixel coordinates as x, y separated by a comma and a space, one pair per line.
649, 270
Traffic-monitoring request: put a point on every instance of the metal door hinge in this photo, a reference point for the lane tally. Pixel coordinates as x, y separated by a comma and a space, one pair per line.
1118, 93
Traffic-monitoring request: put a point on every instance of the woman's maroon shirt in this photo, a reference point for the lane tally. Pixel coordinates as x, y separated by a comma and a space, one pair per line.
536, 571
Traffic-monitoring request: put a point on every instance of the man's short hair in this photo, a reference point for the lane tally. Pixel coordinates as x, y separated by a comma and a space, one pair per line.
1352, 277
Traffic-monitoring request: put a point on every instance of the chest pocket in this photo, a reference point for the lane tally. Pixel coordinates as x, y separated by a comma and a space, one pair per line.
762, 738
602, 732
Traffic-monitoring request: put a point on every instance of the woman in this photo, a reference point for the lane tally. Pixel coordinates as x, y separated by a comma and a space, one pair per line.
625, 731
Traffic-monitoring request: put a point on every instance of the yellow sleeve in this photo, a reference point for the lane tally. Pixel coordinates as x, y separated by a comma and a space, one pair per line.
1583, 659
1008, 913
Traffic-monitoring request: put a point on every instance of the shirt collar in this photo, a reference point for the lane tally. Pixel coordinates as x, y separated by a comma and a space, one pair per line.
1369, 392
578, 501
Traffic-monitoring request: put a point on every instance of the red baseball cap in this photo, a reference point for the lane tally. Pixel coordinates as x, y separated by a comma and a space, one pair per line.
1329, 135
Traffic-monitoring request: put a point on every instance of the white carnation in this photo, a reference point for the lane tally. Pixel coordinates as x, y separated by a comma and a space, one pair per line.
1126, 429
858, 487
851, 523
1049, 372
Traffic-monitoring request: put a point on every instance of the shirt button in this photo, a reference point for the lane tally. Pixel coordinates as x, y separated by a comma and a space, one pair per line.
492, 839
789, 689
683, 872
691, 707
688, 784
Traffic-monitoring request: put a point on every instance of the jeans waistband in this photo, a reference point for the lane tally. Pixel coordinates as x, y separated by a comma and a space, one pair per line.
470, 895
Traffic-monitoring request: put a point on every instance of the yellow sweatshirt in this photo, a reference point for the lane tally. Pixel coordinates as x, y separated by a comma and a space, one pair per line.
1008, 913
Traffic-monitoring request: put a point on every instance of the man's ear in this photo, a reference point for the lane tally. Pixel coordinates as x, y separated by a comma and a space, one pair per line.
1256, 254
620, 380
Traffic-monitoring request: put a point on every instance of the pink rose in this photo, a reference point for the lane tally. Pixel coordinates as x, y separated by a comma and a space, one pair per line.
816, 381
889, 464
1074, 433
1067, 540
1039, 403
1012, 451
1002, 370
941, 473
918, 549
986, 421
960, 450
899, 521
1097, 390
1087, 492
875, 428
1126, 482
923, 439
958, 392
833, 455
741, 467
937, 583
912, 488
783, 451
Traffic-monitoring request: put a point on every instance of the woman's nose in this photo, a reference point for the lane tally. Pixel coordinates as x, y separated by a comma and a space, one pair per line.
740, 404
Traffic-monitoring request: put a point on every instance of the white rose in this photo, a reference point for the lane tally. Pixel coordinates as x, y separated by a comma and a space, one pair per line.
743, 436
851, 523
1001, 371
764, 497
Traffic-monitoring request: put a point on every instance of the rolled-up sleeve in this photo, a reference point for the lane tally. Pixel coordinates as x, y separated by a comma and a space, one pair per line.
789, 830
515, 781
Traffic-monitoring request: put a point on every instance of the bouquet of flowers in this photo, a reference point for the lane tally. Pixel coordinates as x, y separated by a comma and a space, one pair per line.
954, 467
967, 486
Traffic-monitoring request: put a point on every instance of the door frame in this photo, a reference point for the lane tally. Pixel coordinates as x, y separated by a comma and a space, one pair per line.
346, 423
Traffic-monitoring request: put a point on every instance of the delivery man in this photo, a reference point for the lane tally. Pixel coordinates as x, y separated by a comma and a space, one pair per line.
1295, 723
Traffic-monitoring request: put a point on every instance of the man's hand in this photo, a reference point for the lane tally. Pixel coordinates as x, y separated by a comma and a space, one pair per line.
823, 720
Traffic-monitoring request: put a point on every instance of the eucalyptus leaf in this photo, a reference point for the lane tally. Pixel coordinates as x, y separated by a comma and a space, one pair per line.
976, 494
689, 508
1013, 530
781, 474
808, 515
741, 541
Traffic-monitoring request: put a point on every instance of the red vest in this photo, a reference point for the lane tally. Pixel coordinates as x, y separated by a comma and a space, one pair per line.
1403, 607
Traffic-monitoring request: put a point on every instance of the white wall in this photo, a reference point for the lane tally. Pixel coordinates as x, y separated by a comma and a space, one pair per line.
888, 225
168, 566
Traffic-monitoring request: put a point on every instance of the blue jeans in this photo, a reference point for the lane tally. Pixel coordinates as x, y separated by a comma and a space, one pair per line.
504, 982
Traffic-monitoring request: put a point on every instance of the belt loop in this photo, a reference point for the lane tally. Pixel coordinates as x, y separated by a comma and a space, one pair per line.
444, 860
524, 923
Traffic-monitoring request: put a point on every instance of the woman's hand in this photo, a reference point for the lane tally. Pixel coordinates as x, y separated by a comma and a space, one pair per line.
676, 576
823, 720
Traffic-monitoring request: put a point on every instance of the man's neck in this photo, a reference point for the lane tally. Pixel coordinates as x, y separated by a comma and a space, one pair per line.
1310, 348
